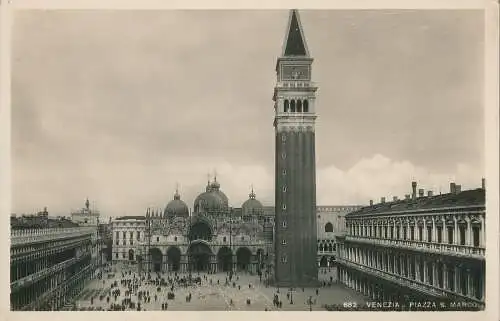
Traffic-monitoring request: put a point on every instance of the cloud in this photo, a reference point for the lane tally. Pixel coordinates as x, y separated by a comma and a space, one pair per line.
379, 176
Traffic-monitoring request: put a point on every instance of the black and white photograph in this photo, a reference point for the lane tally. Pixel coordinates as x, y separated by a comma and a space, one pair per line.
273, 160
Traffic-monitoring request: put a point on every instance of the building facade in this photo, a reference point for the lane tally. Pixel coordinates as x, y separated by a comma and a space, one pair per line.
86, 216
214, 237
295, 162
423, 248
49, 266
330, 226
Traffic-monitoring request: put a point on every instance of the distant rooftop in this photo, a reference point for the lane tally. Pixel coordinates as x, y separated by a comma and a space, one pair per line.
123, 218
474, 197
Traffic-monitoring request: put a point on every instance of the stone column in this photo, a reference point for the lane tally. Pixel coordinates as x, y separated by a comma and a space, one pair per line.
470, 287
434, 274
426, 270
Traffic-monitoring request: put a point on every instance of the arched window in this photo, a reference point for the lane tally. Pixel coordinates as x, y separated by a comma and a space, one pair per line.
224, 239
299, 106
330, 247
286, 105
292, 106
306, 106
328, 227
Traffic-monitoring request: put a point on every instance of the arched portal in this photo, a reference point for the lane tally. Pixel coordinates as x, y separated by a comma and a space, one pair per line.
332, 260
243, 257
130, 255
200, 231
328, 227
156, 259
323, 262
174, 258
224, 259
199, 256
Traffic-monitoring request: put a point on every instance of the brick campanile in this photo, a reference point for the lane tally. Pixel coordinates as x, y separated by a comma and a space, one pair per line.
295, 191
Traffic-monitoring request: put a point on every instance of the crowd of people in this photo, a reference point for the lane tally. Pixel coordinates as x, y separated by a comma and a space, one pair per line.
135, 290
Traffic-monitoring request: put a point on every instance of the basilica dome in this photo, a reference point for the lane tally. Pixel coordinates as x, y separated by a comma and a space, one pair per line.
212, 201
176, 207
251, 206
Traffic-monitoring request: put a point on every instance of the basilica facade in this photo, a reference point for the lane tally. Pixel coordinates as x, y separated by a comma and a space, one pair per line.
214, 236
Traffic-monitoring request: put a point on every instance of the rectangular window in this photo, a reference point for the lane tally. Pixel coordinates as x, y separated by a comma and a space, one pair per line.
404, 233
284, 224
397, 232
462, 235
157, 239
138, 236
124, 242
475, 235
429, 234
420, 230
450, 235
412, 233
117, 235
131, 242
116, 254
124, 234
439, 234
131, 235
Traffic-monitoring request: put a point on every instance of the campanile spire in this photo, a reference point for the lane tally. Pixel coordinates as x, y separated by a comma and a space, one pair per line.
294, 43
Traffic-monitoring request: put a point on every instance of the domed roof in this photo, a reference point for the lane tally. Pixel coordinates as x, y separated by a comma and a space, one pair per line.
176, 207
251, 205
212, 200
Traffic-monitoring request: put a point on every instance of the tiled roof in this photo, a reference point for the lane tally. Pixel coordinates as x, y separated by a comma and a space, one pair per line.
465, 198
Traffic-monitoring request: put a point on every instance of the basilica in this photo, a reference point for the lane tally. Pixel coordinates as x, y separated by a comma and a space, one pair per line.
213, 237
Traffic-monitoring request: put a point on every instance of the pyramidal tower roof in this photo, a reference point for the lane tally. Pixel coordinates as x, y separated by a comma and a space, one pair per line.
295, 43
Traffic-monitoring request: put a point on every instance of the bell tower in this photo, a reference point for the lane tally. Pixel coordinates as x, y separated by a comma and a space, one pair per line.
295, 162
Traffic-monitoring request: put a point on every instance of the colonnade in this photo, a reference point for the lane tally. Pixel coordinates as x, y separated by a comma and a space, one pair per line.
452, 229
465, 278
40, 280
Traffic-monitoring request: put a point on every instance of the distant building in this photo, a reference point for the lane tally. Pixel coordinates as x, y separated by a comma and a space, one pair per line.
423, 248
86, 216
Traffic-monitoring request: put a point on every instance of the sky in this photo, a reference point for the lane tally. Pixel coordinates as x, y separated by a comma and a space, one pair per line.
121, 106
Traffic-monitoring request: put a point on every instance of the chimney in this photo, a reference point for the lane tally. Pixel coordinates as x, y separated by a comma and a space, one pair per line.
421, 192
394, 198
429, 193
458, 189
414, 190
407, 196
371, 202
452, 188
483, 183
382, 200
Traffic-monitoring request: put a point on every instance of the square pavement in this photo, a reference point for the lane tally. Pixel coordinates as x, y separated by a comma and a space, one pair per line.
214, 297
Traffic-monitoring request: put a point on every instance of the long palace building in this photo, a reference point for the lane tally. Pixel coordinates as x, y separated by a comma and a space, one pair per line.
424, 248
50, 261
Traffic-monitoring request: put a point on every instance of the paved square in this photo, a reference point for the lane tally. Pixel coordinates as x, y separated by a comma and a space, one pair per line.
215, 297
